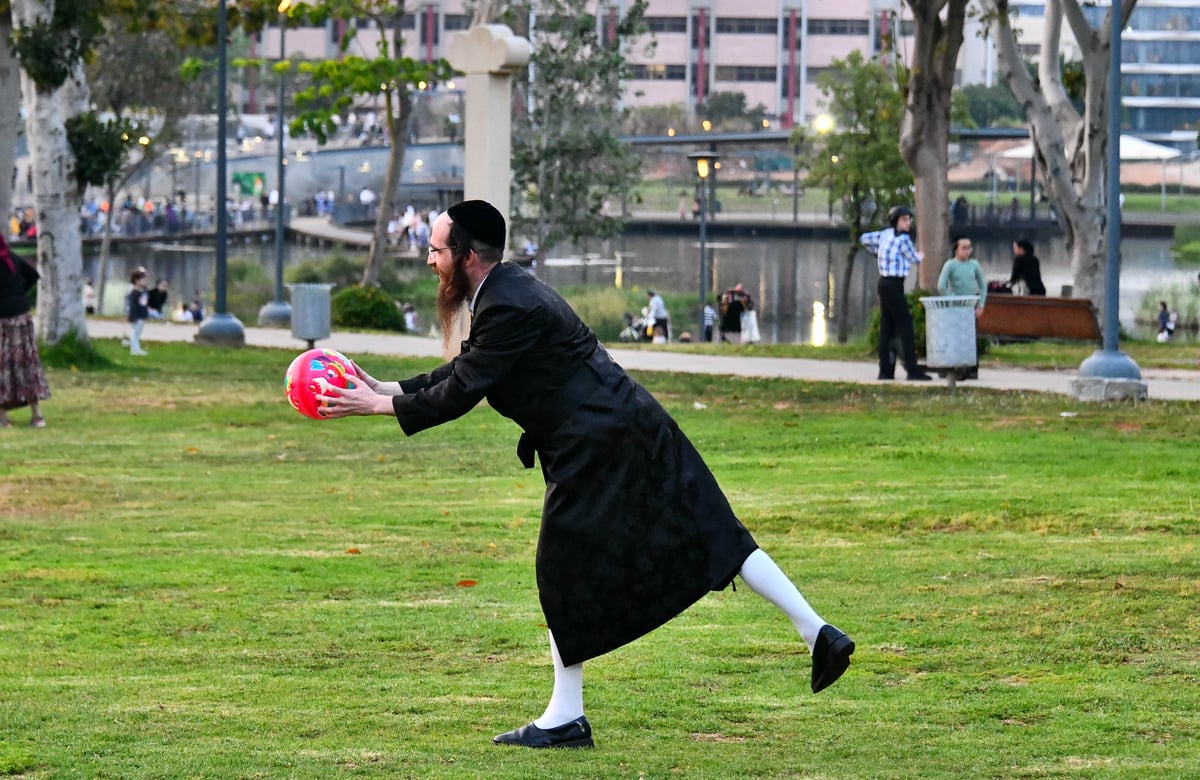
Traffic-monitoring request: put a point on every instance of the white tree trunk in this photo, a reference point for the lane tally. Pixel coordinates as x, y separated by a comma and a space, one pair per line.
10, 121
1070, 149
925, 128
56, 193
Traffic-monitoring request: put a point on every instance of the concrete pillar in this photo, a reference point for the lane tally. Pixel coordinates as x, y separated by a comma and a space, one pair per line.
489, 55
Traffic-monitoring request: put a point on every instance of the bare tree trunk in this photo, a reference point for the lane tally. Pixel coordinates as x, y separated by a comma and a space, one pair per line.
1070, 149
10, 121
397, 109
110, 194
56, 193
843, 304
925, 129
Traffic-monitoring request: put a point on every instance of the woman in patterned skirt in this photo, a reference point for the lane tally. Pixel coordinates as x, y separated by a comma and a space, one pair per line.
22, 380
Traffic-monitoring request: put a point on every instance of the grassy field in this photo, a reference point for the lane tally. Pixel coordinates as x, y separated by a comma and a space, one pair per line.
197, 582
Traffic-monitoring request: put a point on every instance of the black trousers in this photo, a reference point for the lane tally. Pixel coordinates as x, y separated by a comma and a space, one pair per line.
895, 320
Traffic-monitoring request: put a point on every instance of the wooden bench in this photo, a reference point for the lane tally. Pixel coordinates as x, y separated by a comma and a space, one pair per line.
1020, 317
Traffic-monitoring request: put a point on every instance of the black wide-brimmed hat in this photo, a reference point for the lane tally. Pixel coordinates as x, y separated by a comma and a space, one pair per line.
481, 219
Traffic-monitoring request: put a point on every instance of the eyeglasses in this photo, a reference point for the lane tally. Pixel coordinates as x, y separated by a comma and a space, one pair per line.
435, 249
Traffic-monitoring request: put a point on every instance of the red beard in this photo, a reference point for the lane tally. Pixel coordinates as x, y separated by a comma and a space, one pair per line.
451, 295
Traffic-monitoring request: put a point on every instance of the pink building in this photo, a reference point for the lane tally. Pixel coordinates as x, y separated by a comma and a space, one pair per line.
770, 50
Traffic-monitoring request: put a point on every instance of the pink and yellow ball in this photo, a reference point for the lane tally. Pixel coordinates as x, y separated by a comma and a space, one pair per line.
309, 373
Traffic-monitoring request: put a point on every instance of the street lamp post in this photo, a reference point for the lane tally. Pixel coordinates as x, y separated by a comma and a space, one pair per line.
222, 328
279, 312
704, 164
1109, 373
197, 158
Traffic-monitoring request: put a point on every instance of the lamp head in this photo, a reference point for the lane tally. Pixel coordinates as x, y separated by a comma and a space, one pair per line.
705, 162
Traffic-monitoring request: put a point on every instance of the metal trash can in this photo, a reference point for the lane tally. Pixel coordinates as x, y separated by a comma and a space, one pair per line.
950, 331
310, 311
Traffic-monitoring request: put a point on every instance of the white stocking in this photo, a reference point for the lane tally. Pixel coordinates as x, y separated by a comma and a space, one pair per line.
566, 703
766, 579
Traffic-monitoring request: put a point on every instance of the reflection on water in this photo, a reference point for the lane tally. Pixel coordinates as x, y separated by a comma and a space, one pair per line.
795, 282
818, 328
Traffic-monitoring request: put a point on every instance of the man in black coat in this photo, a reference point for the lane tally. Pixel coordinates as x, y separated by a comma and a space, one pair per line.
626, 543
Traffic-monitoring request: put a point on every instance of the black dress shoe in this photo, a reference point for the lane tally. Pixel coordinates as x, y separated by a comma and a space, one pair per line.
831, 657
920, 376
574, 734
885, 377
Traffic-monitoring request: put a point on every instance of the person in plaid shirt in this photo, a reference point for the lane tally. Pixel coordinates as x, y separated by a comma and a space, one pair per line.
896, 253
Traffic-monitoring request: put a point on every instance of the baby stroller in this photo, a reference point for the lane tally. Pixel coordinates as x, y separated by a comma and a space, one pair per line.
637, 329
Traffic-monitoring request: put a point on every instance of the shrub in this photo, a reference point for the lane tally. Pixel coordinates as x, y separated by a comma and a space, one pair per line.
342, 271
247, 288
603, 309
1188, 253
366, 307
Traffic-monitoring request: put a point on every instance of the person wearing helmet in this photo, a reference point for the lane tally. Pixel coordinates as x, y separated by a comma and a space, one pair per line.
894, 249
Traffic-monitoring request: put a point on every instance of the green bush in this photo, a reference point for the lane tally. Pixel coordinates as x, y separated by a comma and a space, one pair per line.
1186, 234
342, 271
247, 288
366, 307
603, 308
1188, 253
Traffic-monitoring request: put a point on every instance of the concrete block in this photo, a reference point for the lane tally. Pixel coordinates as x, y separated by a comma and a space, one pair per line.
1101, 389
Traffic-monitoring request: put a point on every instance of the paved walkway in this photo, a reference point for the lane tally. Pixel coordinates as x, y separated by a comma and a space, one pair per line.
1163, 384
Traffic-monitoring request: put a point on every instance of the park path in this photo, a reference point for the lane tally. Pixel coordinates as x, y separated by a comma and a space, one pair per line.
1162, 384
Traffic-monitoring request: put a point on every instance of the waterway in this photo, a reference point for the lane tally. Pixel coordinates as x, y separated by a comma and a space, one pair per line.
795, 281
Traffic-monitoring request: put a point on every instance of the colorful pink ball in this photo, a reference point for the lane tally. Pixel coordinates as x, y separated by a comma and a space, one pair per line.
308, 374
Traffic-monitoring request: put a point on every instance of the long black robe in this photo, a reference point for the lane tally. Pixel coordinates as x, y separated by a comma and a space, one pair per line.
634, 527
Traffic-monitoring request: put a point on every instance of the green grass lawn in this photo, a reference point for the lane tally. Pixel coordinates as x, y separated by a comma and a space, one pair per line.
197, 582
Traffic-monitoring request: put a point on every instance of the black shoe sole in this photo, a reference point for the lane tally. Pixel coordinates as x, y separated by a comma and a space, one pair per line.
839, 656
586, 742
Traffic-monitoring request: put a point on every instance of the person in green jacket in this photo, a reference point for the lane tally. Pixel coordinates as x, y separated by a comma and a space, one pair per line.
961, 275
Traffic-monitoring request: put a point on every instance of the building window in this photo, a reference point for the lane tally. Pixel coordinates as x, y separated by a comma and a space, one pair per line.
666, 24
657, 72
1160, 52
838, 27
456, 22
744, 73
734, 25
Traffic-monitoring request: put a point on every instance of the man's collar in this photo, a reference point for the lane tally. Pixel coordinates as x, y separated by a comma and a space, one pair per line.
475, 295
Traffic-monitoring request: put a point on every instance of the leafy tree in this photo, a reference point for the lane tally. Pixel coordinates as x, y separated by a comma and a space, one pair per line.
658, 120
146, 102
926, 86
859, 160
728, 111
50, 40
386, 81
567, 161
1070, 146
993, 106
